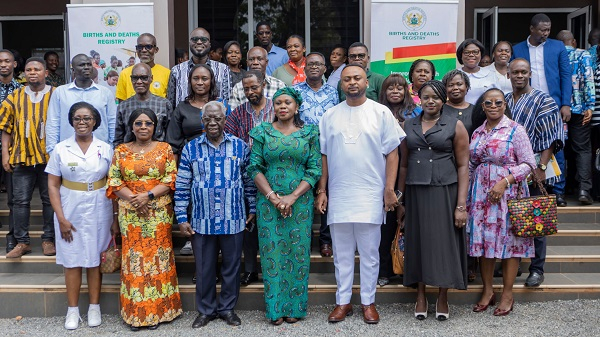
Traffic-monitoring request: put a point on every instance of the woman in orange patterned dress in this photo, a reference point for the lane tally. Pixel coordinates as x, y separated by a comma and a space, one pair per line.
142, 176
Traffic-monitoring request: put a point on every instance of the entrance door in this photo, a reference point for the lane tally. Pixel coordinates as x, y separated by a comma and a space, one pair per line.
579, 23
489, 29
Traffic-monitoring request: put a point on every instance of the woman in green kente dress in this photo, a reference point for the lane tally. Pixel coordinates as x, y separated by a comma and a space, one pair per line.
285, 163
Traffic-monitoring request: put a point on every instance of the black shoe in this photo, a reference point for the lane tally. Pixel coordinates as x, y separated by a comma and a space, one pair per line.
202, 320
194, 279
248, 278
560, 200
134, 328
585, 198
535, 279
153, 327
231, 318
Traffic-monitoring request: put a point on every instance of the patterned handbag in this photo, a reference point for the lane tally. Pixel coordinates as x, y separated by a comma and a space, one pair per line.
533, 216
110, 259
397, 251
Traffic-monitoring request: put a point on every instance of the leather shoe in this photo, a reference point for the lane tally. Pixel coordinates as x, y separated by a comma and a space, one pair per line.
340, 312
202, 320
585, 198
248, 278
48, 248
535, 279
326, 250
560, 200
500, 312
231, 318
370, 314
483, 307
19, 250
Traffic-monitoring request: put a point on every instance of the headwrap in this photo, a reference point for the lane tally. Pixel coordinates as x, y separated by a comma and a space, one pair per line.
300, 75
293, 93
438, 87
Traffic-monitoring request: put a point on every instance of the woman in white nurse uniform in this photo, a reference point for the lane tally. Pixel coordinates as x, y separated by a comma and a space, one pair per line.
83, 215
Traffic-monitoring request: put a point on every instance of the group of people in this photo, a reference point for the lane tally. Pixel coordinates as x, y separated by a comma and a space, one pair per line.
241, 159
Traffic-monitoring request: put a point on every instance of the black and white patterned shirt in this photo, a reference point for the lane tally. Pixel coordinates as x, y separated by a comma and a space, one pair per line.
178, 82
161, 107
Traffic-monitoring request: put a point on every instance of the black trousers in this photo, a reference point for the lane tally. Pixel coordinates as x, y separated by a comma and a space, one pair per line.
581, 145
388, 231
250, 248
206, 253
324, 232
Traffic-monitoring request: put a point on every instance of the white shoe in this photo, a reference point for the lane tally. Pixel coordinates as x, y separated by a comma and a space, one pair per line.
441, 316
94, 317
187, 249
72, 321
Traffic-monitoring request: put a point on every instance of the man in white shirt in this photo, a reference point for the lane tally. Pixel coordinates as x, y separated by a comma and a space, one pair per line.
359, 146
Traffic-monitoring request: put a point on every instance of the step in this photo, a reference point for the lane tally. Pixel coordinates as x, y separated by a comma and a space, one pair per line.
49, 292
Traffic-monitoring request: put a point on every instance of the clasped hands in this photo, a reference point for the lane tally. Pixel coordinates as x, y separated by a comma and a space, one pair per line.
140, 203
283, 203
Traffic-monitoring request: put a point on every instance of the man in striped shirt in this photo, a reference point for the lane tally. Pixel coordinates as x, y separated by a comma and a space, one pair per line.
22, 120
540, 115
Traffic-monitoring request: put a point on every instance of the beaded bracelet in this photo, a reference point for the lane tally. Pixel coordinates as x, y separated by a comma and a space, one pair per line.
269, 194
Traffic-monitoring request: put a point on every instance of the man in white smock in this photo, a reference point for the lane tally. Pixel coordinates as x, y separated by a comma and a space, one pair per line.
359, 146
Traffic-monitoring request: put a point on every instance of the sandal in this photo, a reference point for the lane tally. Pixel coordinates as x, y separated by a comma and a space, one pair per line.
278, 321
291, 320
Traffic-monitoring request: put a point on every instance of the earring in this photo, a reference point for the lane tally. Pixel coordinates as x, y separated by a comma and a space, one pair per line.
296, 112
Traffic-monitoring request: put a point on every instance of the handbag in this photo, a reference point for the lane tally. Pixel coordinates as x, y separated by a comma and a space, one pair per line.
533, 216
397, 251
110, 259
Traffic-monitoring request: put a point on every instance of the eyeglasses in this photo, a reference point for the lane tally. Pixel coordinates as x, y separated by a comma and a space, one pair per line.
202, 39
497, 103
314, 65
471, 52
86, 119
144, 78
359, 57
207, 120
148, 47
252, 88
263, 33
139, 124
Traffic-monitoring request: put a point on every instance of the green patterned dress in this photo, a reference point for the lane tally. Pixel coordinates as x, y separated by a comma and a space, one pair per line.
285, 243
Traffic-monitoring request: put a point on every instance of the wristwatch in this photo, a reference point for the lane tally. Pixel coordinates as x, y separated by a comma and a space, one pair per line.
150, 195
542, 167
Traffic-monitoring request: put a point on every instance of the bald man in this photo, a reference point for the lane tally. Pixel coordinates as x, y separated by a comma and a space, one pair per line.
582, 106
145, 49
140, 79
199, 48
257, 60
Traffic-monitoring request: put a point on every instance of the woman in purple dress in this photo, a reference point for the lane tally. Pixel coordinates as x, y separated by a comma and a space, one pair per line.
500, 154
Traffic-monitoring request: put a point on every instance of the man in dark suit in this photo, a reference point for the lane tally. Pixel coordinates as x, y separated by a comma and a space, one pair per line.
550, 73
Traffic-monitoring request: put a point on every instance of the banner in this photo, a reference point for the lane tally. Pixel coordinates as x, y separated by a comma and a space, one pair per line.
404, 31
108, 32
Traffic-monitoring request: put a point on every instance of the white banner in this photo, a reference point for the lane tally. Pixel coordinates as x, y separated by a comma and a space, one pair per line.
108, 32
403, 31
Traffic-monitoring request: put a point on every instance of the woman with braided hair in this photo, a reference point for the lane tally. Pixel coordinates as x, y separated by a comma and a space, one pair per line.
285, 164
434, 176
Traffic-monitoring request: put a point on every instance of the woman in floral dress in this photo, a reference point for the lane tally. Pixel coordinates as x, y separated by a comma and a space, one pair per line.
500, 154
142, 176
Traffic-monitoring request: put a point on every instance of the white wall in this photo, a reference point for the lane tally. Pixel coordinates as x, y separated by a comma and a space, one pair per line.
162, 29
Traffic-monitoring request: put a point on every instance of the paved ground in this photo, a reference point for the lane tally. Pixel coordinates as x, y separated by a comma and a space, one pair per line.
557, 318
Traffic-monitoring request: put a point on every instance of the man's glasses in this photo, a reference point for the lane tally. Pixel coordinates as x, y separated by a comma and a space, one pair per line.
315, 65
139, 124
86, 119
359, 57
202, 39
144, 78
497, 103
141, 47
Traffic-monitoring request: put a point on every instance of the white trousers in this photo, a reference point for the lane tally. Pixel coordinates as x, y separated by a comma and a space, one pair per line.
346, 237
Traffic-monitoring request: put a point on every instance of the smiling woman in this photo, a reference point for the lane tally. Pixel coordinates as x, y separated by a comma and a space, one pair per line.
469, 54
293, 71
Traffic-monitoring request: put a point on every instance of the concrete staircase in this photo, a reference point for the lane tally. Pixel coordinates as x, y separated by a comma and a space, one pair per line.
34, 285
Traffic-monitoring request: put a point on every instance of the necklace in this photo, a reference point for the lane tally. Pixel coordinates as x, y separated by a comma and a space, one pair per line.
143, 150
199, 102
431, 120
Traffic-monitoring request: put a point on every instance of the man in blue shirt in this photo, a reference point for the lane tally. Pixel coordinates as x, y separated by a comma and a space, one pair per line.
582, 105
277, 56
317, 97
212, 179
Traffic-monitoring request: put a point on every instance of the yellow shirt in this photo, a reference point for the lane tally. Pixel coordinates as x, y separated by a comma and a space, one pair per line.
158, 86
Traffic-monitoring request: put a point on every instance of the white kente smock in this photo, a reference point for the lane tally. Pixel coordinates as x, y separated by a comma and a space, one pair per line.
356, 141
89, 212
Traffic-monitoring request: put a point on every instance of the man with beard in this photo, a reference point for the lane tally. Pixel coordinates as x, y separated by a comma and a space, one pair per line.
22, 118
317, 97
359, 146
244, 118
277, 56
54, 79
257, 60
83, 89
540, 116
146, 48
200, 49
141, 77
